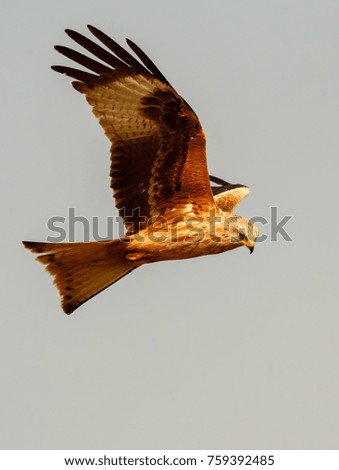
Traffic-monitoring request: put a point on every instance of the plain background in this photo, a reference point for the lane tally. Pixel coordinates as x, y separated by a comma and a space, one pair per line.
230, 351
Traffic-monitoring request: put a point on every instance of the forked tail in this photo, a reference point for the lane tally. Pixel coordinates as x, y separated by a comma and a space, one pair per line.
82, 270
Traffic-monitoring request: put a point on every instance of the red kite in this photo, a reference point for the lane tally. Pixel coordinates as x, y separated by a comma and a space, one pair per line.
158, 175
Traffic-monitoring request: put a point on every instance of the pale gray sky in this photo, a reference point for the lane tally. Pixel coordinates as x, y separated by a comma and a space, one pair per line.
230, 351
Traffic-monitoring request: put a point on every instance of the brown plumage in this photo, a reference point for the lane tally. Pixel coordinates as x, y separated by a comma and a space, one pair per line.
159, 175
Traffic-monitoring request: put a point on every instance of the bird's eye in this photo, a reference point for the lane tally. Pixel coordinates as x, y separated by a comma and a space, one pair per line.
242, 236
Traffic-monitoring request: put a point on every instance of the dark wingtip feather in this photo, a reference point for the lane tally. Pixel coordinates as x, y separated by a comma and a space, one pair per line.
224, 185
147, 61
85, 77
69, 31
92, 29
217, 180
58, 68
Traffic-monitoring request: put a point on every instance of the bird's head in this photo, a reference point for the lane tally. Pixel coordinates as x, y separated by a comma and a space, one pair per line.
242, 232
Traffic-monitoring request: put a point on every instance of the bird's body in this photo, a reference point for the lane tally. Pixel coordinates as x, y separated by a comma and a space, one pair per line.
187, 236
159, 176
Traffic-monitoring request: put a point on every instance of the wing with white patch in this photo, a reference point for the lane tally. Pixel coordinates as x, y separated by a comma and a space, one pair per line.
227, 196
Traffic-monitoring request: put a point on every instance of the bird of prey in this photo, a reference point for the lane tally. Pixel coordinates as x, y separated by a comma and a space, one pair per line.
159, 175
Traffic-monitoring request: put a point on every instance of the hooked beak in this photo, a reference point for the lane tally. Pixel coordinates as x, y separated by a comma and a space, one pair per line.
250, 245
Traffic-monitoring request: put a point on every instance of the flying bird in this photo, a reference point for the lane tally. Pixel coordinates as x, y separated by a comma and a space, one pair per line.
159, 175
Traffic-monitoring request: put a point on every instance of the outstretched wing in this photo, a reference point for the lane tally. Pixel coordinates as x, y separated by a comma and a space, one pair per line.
158, 152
